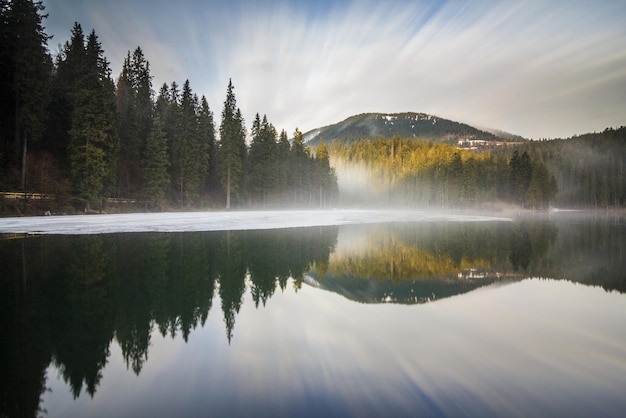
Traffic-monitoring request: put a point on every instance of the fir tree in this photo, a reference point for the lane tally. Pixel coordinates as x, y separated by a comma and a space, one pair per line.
185, 149
26, 67
155, 165
232, 147
263, 172
298, 162
206, 132
94, 142
282, 155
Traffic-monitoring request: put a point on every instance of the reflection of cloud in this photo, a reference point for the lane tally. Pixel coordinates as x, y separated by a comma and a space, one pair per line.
537, 69
538, 347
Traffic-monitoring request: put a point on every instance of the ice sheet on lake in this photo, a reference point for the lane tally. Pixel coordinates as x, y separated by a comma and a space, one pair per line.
221, 221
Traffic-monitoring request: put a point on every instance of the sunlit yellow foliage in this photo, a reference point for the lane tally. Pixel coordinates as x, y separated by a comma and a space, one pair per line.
388, 257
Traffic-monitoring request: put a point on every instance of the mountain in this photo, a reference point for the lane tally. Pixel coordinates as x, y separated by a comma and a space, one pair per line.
407, 125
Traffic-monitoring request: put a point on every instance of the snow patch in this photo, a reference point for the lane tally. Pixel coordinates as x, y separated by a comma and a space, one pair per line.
221, 221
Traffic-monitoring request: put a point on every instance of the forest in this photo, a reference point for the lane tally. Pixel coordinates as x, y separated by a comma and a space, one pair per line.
414, 173
76, 139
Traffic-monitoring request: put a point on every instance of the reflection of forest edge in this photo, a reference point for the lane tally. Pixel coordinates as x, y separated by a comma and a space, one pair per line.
431, 261
66, 298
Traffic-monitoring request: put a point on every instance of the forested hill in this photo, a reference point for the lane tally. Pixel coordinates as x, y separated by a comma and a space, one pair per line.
589, 169
405, 125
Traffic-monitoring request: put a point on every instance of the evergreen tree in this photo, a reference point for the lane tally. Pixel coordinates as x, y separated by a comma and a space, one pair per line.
262, 168
127, 129
299, 157
26, 67
325, 175
134, 110
189, 156
68, 69
94, 142
206, 131
520, 175
282, 155
232, 147
155, 165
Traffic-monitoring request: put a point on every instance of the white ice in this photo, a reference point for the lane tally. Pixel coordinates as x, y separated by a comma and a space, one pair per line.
220, 221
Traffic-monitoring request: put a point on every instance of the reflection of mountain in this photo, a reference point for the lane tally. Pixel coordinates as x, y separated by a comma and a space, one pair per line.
428, 261
405, 291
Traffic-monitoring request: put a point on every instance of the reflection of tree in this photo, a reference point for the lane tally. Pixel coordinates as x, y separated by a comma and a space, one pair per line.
529, 242
590, 251
143, 262
24, 333
82, 314
190, 286
232, 272
264, 252
432, 260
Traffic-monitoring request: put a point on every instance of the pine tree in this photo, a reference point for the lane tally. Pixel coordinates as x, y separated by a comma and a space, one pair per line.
232, 147
262, 168
127, 130
94, 144
325, 175
206, 131
299, 161
282, 156
134, 109
520, 175
26, 68
155, 165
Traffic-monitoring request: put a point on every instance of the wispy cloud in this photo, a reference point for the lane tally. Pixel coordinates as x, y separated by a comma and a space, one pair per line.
540, 69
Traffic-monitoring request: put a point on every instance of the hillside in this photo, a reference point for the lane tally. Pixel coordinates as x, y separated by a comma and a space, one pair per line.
406, 125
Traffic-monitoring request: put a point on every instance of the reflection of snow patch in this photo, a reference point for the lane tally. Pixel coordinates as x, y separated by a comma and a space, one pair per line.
310, 281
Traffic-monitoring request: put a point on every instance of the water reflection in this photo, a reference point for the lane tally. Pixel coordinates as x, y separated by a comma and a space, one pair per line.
65, 299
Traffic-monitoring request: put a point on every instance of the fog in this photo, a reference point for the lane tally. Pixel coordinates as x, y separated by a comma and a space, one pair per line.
222, 221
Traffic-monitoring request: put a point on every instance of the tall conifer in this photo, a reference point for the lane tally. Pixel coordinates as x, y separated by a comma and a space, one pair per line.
232, 147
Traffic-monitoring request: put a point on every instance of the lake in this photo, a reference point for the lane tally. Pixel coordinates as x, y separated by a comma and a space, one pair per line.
446, 316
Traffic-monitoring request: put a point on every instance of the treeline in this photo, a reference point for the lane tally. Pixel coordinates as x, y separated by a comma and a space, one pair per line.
426, 174
68, 129
590, 168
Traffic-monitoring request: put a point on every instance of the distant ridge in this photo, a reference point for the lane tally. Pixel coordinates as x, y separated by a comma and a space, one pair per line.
407, 125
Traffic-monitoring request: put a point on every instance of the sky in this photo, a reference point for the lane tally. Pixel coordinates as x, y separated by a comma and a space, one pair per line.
540, 69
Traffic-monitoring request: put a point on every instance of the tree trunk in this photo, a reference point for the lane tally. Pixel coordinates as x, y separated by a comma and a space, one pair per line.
228, 189
24, 150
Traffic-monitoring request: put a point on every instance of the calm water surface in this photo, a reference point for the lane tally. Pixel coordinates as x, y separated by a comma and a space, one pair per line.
522, 318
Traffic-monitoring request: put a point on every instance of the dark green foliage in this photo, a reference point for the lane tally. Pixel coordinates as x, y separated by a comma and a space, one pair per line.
589, 169
325, 179
134, 113
519, 177
155, 165
94, 145
262, 162
24, 81
189, 150
206, 132
232, 148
